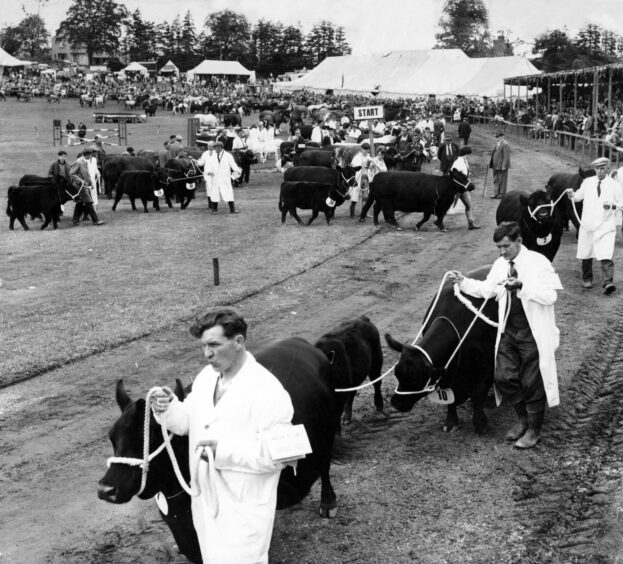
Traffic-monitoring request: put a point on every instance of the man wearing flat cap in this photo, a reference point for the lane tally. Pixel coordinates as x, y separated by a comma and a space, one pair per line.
81, 179
176, 147
220, 169
60, 167
500, 163
601, 196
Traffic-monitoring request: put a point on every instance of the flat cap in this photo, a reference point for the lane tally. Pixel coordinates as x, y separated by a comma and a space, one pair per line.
601, 161
499, 133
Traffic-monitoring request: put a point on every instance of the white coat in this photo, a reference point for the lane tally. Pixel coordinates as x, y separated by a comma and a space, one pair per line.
598, 229
246, 478
222, 166
537, 295
360, 159
94, 173
205, 158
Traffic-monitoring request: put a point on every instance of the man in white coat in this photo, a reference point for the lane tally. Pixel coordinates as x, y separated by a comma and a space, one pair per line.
360, 163
524, 283
220, 169
205, 160
234, 401
602, 197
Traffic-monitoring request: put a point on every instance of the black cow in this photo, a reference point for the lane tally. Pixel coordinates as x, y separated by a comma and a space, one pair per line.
316, 196
541, 229
114, 165
37, 200
244, 159
303, 371
313, 157
137, 184
179, 179
355, 353
232, 119
558, 183
469, 375
413, 192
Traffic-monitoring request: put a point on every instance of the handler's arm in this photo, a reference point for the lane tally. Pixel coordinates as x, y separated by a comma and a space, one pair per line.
246, 452
542, 285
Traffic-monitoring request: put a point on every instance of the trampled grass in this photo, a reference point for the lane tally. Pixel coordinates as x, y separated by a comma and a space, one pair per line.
78, 290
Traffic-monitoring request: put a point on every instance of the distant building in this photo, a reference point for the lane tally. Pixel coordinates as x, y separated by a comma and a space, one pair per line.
62, 50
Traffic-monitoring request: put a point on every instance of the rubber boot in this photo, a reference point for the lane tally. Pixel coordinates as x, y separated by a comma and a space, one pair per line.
232, 208
214, 207
533, 435
518, 429
471, 225
352, 209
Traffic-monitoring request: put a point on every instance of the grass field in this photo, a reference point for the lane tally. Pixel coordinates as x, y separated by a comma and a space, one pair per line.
70, 292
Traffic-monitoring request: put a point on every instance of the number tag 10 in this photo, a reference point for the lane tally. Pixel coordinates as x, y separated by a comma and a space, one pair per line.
441, 397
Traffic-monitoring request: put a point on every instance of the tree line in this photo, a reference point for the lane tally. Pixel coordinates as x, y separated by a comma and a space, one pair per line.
107, 27
271, 48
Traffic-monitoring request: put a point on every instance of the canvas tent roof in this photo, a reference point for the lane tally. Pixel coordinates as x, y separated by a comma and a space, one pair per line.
442, 72
219, 67
135, 67
170, 67
7, 60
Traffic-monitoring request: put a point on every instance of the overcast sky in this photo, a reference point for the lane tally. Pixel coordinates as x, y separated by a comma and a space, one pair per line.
372, 26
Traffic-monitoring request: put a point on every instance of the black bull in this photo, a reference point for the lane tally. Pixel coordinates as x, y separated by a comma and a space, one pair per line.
413, 192
469, 375
558, 183
304, 372
541, 227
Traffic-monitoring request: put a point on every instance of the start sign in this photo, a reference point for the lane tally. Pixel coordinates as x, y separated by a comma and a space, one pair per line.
368, 112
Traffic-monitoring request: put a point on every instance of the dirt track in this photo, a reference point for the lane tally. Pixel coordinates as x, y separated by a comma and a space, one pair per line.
406, 491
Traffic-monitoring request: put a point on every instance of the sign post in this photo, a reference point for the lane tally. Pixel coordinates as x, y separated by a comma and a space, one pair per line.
369, 113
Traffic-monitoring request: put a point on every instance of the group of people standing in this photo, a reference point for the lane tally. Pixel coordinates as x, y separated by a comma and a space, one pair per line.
85, 176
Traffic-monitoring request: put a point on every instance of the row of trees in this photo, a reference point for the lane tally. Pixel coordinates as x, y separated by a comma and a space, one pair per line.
464, 24
105, 26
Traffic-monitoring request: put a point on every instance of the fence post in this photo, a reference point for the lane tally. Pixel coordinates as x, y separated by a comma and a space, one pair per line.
122, 131
191, 134
56, 132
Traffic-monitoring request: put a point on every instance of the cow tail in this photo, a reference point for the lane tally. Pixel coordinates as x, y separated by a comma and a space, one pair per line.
280, 206
8, 201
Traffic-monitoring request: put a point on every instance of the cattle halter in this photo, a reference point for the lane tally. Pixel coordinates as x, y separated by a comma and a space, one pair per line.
147, 458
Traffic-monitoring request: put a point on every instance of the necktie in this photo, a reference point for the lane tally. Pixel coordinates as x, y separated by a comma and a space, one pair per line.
599, 189
512, 271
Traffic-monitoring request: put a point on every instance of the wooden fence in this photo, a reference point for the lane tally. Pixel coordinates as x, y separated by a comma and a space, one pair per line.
584, 148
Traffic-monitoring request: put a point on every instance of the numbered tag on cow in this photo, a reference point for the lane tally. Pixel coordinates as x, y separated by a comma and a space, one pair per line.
159, 193
544, 240
161, 502
190, 186
330, 202
442, 397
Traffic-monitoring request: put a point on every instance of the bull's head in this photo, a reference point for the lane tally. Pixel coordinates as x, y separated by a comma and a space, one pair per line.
122, 482
539, 205
461, 181
414, 373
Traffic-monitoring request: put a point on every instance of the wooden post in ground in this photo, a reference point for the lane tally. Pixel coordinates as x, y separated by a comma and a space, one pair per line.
215, 266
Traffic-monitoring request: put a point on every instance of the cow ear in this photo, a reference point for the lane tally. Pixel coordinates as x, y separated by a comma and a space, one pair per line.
179, 389
396, 345
331, 356
123, 399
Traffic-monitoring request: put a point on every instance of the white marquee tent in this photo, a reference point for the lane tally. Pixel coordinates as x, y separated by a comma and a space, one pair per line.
135, 67
7, 60
439, 72
169, 68
220, 68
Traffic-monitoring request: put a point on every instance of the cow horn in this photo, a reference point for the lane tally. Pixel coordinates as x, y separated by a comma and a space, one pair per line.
123, 399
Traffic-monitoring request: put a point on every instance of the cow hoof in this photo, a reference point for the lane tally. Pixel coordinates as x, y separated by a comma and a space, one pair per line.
398, 228
327, 511
453, 427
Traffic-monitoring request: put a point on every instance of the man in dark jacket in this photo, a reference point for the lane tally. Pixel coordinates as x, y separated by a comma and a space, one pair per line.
81, 179
465, 130
60, 167
448, 153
